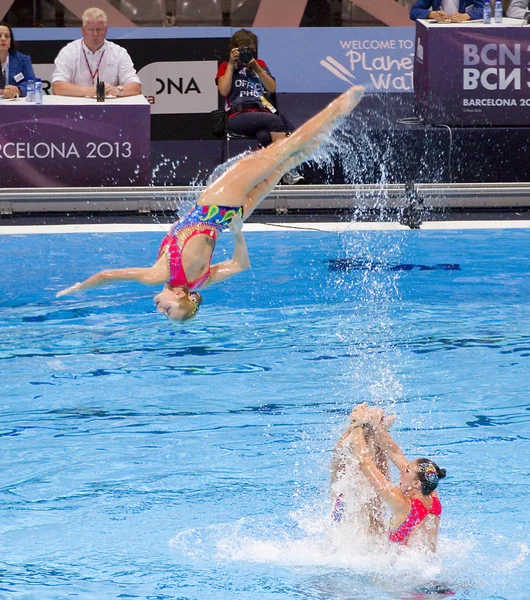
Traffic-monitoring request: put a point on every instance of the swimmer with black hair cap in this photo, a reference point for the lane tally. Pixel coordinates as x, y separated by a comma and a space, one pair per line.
184, 259
414, 503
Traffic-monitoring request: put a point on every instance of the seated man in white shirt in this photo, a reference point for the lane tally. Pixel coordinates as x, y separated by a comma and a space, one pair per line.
81, 63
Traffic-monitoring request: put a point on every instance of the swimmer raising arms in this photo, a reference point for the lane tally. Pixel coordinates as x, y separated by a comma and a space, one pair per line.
415, 505
184, 259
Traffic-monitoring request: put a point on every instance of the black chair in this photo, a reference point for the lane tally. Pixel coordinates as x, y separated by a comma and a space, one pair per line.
230, 135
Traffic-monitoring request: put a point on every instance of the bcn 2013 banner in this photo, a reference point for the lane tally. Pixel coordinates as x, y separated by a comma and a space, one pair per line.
79, 144
177, 66
483, 79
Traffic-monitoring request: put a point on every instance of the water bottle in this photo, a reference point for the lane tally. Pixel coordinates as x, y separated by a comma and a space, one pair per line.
38, 91
30, 90
498, 11
487, 12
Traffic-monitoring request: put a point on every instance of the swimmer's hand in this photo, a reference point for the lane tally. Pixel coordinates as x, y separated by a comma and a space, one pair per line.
359, 415
69, 290
362, 414
236, 224
378, 418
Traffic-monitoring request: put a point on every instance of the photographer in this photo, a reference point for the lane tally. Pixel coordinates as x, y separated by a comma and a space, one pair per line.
247, 84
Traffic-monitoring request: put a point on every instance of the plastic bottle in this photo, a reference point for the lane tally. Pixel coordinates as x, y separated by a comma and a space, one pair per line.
30, 90
38, 91
498, 11
487, 12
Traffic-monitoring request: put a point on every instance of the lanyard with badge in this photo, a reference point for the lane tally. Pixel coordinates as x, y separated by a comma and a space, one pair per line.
259, 89
96, 72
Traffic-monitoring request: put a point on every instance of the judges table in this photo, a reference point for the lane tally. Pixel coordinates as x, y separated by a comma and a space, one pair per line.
74, 142
473, 74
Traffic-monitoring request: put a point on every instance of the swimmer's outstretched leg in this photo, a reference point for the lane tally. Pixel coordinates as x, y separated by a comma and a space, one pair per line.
268, 165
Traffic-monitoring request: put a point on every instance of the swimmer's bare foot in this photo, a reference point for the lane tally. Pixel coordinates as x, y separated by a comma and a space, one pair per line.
347, 101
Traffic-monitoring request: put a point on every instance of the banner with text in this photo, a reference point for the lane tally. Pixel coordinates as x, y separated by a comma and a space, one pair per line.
177, 66
61, 145
330, 59
484, 78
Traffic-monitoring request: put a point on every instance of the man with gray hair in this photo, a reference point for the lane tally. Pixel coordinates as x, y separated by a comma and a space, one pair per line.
81, 63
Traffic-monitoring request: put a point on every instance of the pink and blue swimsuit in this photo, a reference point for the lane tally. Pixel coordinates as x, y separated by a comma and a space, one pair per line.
201, 220
418, 513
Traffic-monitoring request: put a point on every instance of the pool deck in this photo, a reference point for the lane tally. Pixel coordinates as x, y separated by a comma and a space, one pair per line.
320, 207
25, 229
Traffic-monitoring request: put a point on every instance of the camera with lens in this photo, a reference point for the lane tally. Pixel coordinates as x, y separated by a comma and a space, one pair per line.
246, 54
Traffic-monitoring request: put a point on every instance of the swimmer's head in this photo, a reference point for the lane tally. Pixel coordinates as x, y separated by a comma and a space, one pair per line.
422, 474
178, 303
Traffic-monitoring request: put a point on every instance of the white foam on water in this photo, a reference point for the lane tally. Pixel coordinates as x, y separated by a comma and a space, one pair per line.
305, 539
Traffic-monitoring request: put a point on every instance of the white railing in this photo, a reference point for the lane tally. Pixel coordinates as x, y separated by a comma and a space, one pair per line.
283, 199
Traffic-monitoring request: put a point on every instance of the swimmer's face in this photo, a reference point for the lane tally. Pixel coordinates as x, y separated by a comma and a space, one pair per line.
178, 304
409, 477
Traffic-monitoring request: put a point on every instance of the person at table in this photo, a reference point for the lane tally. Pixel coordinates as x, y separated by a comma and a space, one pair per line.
455, 11
16, 67
518, 9
81, 63
183, 264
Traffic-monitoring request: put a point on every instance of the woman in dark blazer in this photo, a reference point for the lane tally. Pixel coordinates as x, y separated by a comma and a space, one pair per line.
16, 68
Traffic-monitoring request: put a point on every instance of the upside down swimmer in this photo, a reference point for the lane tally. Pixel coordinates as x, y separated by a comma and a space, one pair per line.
184, 259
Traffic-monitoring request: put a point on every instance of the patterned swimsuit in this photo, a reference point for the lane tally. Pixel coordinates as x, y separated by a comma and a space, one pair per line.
418, 513
201, 220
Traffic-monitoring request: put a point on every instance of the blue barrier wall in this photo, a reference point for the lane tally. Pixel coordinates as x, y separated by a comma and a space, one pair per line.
303, 60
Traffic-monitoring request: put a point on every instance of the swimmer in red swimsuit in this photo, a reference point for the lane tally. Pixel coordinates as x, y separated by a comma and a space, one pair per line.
184, 259
415, 506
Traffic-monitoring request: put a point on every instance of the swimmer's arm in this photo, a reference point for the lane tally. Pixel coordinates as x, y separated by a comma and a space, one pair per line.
240, 260
389, 446
388, 492
148, 276
338, 461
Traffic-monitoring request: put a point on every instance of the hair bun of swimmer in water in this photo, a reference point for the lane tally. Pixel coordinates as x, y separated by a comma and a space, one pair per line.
429, 474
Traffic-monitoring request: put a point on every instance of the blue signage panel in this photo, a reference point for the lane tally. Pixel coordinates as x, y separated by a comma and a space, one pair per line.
330, 59
302, 59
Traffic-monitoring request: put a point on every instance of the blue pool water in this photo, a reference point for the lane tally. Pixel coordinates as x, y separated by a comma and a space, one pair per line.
141, 459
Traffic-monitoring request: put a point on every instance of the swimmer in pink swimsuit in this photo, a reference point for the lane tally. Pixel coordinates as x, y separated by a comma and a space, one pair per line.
184, 258
416, 507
